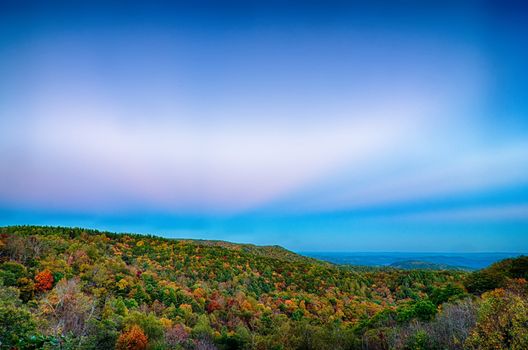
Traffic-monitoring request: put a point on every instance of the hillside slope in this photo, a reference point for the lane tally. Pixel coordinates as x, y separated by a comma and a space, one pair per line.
273, 251
71, 288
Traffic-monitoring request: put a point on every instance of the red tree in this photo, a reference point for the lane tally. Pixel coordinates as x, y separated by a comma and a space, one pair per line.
213, 305
44, 281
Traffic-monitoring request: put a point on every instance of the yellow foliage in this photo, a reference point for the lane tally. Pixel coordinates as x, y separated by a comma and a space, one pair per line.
166, 322
186, 308
122, 284
246, 306
199, 292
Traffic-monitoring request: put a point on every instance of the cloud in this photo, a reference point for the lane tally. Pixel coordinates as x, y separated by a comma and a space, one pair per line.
81, 153
443, 174
178, 165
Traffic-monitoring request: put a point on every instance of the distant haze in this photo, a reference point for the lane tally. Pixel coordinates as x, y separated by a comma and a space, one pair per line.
318, 126
470, 261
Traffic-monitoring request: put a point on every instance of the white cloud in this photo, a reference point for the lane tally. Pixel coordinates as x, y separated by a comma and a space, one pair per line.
442, 174
182, 165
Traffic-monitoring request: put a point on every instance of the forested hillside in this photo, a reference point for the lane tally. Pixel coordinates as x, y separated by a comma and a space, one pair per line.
64, 288
420, 265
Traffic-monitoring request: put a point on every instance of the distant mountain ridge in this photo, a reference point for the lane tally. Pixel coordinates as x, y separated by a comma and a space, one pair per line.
461, 261
419, 264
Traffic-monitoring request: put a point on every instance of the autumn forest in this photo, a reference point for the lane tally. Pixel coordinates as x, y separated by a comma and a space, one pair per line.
71, 288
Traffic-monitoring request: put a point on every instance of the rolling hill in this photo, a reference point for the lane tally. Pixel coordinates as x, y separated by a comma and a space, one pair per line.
419, 264
71, 288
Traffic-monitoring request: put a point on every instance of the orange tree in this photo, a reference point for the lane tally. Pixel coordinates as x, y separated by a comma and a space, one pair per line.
133, 339
44, 281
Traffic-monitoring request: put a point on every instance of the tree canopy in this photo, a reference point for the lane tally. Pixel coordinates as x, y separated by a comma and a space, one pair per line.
72, 288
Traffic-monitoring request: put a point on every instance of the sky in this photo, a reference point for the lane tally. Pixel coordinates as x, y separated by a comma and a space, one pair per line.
315, 125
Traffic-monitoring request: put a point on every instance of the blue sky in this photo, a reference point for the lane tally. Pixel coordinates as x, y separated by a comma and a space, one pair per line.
334, 126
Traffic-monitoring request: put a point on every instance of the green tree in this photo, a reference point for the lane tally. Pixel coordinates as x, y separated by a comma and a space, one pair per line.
449, 292
481, 281
424, 310
419, 341
149, 323
202, 329
16, 322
